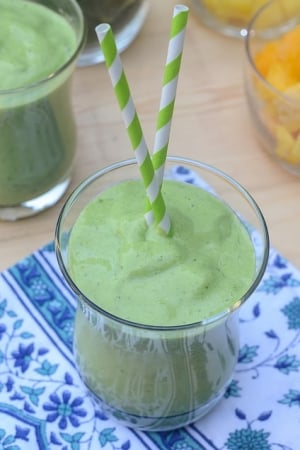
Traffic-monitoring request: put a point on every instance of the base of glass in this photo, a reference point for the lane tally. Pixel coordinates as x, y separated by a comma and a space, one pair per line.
35, 205
166, 423
268, 145
92, 54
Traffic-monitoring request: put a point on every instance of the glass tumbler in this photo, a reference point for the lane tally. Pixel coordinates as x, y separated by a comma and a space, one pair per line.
37, 127
158, 377
126, 18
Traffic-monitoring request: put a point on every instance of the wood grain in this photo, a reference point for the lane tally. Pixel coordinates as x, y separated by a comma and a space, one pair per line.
211, 123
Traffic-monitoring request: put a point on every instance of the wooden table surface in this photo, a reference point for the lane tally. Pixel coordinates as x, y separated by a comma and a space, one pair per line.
210, 123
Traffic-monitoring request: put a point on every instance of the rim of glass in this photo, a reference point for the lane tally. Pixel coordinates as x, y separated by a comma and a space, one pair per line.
181, 160
249, 35
61, 69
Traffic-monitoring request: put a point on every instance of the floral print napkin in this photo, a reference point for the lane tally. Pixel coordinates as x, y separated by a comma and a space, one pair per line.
44, 405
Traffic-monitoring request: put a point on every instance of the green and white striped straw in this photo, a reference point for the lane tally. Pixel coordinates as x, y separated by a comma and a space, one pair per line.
133, 126
170, 80
168, 94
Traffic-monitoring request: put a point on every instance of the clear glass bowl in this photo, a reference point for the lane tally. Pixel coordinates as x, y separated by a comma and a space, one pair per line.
272, 80
229, 17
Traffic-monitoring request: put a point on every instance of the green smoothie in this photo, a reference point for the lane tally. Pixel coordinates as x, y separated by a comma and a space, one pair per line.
37, 130
158, 374
129, 269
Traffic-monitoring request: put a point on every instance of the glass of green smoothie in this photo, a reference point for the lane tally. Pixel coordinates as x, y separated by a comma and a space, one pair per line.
126, 18
42, 41
156, 334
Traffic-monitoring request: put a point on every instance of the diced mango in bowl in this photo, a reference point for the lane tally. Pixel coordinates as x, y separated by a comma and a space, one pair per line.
233, 11
278, 62
239, 12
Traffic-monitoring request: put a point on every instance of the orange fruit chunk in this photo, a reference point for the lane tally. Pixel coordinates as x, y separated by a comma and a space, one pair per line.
278, 61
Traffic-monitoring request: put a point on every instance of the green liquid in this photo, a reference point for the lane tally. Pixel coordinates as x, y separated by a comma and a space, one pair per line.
158, 378
37, 129
141, 275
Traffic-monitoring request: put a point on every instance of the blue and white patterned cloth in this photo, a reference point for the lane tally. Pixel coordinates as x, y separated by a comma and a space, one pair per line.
44, 405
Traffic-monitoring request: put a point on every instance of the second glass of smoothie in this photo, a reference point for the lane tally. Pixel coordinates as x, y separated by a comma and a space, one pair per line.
156, 335
37, 127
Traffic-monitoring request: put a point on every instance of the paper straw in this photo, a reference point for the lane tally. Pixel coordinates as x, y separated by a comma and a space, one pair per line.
133, 126
170, 80
168, 94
